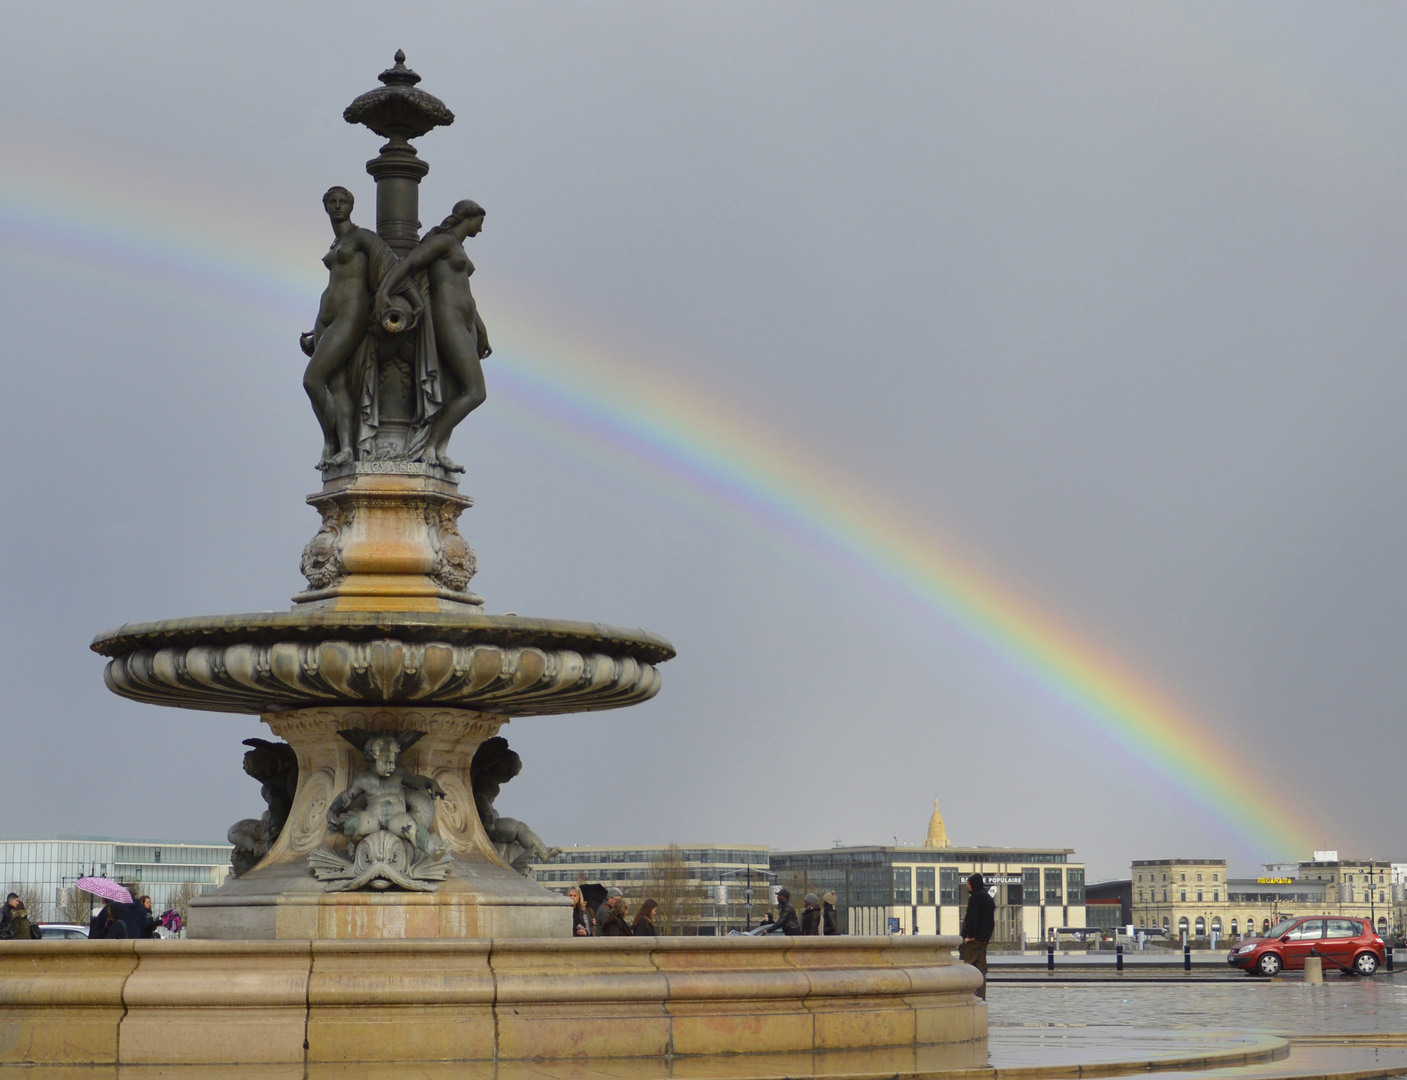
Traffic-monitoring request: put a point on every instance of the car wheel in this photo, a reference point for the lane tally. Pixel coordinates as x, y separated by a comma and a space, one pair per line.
1269, 964
1365, 963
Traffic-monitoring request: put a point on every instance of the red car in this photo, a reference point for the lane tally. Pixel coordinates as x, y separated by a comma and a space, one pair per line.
1345, 945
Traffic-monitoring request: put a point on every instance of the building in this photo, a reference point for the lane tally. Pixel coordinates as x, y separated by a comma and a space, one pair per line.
923, 890
46, 867
1195, 897
1109, 904
709, 889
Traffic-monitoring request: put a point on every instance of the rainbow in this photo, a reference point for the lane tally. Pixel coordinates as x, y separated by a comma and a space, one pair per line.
674, 437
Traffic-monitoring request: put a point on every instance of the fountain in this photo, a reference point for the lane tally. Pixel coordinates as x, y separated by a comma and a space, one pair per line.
380, 910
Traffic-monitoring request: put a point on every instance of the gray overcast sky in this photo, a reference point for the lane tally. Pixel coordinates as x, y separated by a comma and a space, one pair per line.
1106, 298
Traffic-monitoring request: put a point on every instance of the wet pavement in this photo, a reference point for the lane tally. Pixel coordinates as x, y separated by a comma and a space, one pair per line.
1285, 1006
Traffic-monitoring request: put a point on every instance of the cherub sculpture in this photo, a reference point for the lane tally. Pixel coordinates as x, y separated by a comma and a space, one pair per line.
493, 766
275, 766
386, 813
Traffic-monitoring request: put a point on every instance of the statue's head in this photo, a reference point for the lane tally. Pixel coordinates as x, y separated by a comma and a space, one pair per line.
338, 203
382, 749
464, 210
267, 759
494, 761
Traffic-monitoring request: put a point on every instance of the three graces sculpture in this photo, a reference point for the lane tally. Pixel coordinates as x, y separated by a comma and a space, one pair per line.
394, 357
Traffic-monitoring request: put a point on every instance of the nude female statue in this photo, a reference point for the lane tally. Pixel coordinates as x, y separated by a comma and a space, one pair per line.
396, 800
461, 338
357, 262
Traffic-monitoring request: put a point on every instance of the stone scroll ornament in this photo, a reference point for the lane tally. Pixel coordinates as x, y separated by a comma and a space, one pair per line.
275, 766
386, 813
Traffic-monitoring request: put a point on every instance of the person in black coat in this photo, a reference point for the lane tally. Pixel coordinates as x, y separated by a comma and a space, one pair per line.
614, 924
977, 927
830, 923
644, 925
581, 917
811, 916
786, 921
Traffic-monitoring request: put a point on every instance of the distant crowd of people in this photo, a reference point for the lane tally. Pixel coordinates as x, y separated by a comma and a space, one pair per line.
612, 917
112, 920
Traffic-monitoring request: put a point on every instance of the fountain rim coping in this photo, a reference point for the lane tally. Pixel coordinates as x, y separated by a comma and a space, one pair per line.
270, 627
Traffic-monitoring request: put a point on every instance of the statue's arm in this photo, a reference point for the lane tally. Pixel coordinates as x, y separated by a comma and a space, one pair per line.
420, 257
339, 805
424, 783
485, 349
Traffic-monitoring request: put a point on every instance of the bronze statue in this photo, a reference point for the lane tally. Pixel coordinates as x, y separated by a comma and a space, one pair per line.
493, 766
275, 766
394, 799
461, 339
357, 262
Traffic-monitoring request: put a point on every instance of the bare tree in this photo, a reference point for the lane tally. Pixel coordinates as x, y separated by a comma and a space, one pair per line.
32, 900
670, 883
181, 898
76, 906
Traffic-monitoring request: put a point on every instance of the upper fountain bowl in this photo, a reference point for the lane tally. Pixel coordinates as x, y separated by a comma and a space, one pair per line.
274, 661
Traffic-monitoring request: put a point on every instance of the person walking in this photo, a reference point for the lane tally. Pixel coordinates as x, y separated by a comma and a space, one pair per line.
21, 929
977, 927
7, 916
644, 925
786, 921
581, 918
830, 924
149, 920
613, 897
811, 916
614, 924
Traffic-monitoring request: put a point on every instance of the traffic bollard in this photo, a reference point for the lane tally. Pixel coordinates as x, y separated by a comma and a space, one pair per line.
1187, 958
1389, 957
1050, 958
1119, 957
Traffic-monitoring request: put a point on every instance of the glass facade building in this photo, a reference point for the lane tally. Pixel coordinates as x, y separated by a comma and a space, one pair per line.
923, 890
46, 867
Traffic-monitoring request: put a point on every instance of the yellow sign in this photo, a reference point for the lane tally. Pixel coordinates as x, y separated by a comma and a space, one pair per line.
1275, 881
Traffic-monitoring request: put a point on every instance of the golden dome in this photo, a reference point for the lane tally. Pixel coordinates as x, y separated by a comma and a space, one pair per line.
937, 834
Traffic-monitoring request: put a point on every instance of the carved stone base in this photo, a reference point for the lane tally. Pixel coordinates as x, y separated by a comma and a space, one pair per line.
389, 541
479, 896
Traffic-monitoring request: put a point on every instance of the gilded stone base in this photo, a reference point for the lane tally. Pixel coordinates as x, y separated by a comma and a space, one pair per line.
414, 1002
280, 899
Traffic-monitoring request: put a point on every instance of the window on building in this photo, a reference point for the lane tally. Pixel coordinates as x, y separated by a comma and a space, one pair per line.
903, 885
1199, 877
1182, 926
1031, 887
1165, 896
1199, 896
1216, 926
1052, 886
1216, 896
1183, 896
947, 886
1234, 927
923, 886
1140, 896
1184, 877
1074, 885
1201, 927
1216, 877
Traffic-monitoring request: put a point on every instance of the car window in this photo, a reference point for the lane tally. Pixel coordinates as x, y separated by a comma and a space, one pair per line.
1343, 928
1279, 928
1310, 928
75, 935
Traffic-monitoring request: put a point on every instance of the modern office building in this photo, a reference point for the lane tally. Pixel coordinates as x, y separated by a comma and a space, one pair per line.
710, 888
923, 890
47, 866
1109, 904
1195, 896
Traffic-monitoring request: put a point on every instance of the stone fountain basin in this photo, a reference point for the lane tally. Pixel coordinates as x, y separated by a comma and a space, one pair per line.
275, 661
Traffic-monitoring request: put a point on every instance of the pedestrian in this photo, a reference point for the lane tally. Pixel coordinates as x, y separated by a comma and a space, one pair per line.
98, 924
21, 929
7, 916
581, 918
614, 924
149, 920
811, 915
830, 924
786, 921
644, 925
977, 927
613, 897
